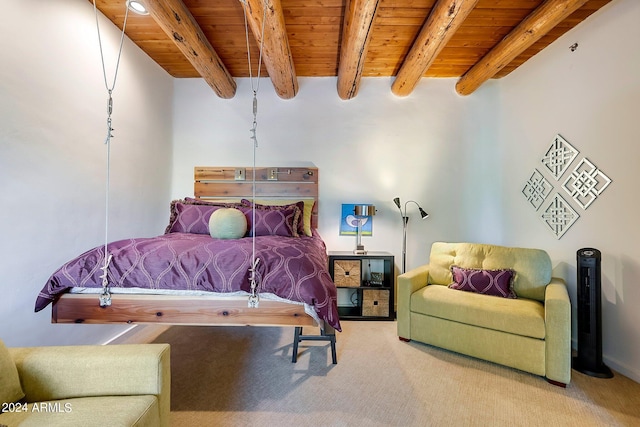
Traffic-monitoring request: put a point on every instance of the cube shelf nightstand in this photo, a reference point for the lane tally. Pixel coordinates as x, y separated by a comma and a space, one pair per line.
365, 283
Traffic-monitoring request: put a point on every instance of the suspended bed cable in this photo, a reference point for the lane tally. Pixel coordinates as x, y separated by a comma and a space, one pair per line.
254, 299
105, 297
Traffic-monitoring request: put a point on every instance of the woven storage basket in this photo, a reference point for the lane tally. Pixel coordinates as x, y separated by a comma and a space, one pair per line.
346, 273
375, 302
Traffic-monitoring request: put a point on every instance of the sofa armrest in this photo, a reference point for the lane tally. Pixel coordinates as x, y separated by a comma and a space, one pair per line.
408, 283
557, 313
59, 372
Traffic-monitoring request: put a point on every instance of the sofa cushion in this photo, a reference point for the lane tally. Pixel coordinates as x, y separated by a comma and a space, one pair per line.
516, 316
532, 266
498, 283
10, 389
138, 411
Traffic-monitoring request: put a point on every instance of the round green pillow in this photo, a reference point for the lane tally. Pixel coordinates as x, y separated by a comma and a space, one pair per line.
227, 223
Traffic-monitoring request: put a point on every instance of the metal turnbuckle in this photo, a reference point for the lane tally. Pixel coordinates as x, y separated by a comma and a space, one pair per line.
254, 301
105, 299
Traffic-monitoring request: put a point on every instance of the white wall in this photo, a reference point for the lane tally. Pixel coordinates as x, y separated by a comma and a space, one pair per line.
53, 156
368, 150
592, 98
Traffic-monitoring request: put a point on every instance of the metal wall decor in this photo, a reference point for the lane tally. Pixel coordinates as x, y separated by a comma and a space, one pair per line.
558, 216
537, 189
558, 157
585, 183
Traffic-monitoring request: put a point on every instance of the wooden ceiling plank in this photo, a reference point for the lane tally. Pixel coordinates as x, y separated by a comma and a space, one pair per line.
177, 22
445, 18
314, 31
356, 34
532, 28
276, 52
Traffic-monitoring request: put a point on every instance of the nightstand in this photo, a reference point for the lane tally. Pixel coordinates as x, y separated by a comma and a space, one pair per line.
365, 283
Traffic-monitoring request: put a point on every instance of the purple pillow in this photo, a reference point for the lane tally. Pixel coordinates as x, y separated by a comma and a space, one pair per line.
192, 215
273, 222
299, 223
488, 282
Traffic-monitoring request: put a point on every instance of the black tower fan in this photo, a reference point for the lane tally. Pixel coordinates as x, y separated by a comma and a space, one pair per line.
589, 358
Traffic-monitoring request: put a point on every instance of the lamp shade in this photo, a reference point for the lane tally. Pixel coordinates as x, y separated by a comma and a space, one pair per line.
364, 210
405, 222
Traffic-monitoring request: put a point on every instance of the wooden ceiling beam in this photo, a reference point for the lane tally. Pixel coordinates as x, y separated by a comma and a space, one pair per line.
531, 29
443, 21
356, 34
177, 22
276, 52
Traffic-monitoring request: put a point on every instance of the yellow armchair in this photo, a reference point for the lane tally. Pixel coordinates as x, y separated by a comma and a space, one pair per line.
531, 332
115, 385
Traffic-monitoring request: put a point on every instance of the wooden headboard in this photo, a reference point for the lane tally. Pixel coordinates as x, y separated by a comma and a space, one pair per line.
286, 183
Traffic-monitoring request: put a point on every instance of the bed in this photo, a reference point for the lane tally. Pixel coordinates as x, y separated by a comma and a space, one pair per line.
294, 286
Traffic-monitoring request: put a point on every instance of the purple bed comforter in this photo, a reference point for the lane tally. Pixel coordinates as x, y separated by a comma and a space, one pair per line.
292, 268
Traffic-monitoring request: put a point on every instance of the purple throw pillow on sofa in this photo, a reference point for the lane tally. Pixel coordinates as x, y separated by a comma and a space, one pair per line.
488, 282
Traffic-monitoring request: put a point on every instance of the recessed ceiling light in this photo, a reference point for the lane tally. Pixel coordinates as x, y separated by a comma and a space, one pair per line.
137, 7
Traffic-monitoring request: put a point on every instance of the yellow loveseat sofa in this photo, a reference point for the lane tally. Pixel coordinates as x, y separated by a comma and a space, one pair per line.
110, 385
531, 332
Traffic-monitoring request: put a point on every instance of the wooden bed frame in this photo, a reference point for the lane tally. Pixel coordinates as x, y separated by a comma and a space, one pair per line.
210, 183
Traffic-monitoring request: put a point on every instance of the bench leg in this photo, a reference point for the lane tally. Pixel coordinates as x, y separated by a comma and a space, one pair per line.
326, 334
296, 340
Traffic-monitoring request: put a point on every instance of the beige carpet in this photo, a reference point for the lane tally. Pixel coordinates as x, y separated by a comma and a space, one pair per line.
243, 376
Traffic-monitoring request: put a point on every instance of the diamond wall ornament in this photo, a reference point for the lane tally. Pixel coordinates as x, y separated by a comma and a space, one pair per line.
559, 216
586, 183
558, 157
536, 189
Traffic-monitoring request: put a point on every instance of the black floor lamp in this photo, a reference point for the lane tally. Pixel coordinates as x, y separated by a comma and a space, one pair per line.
405, 221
